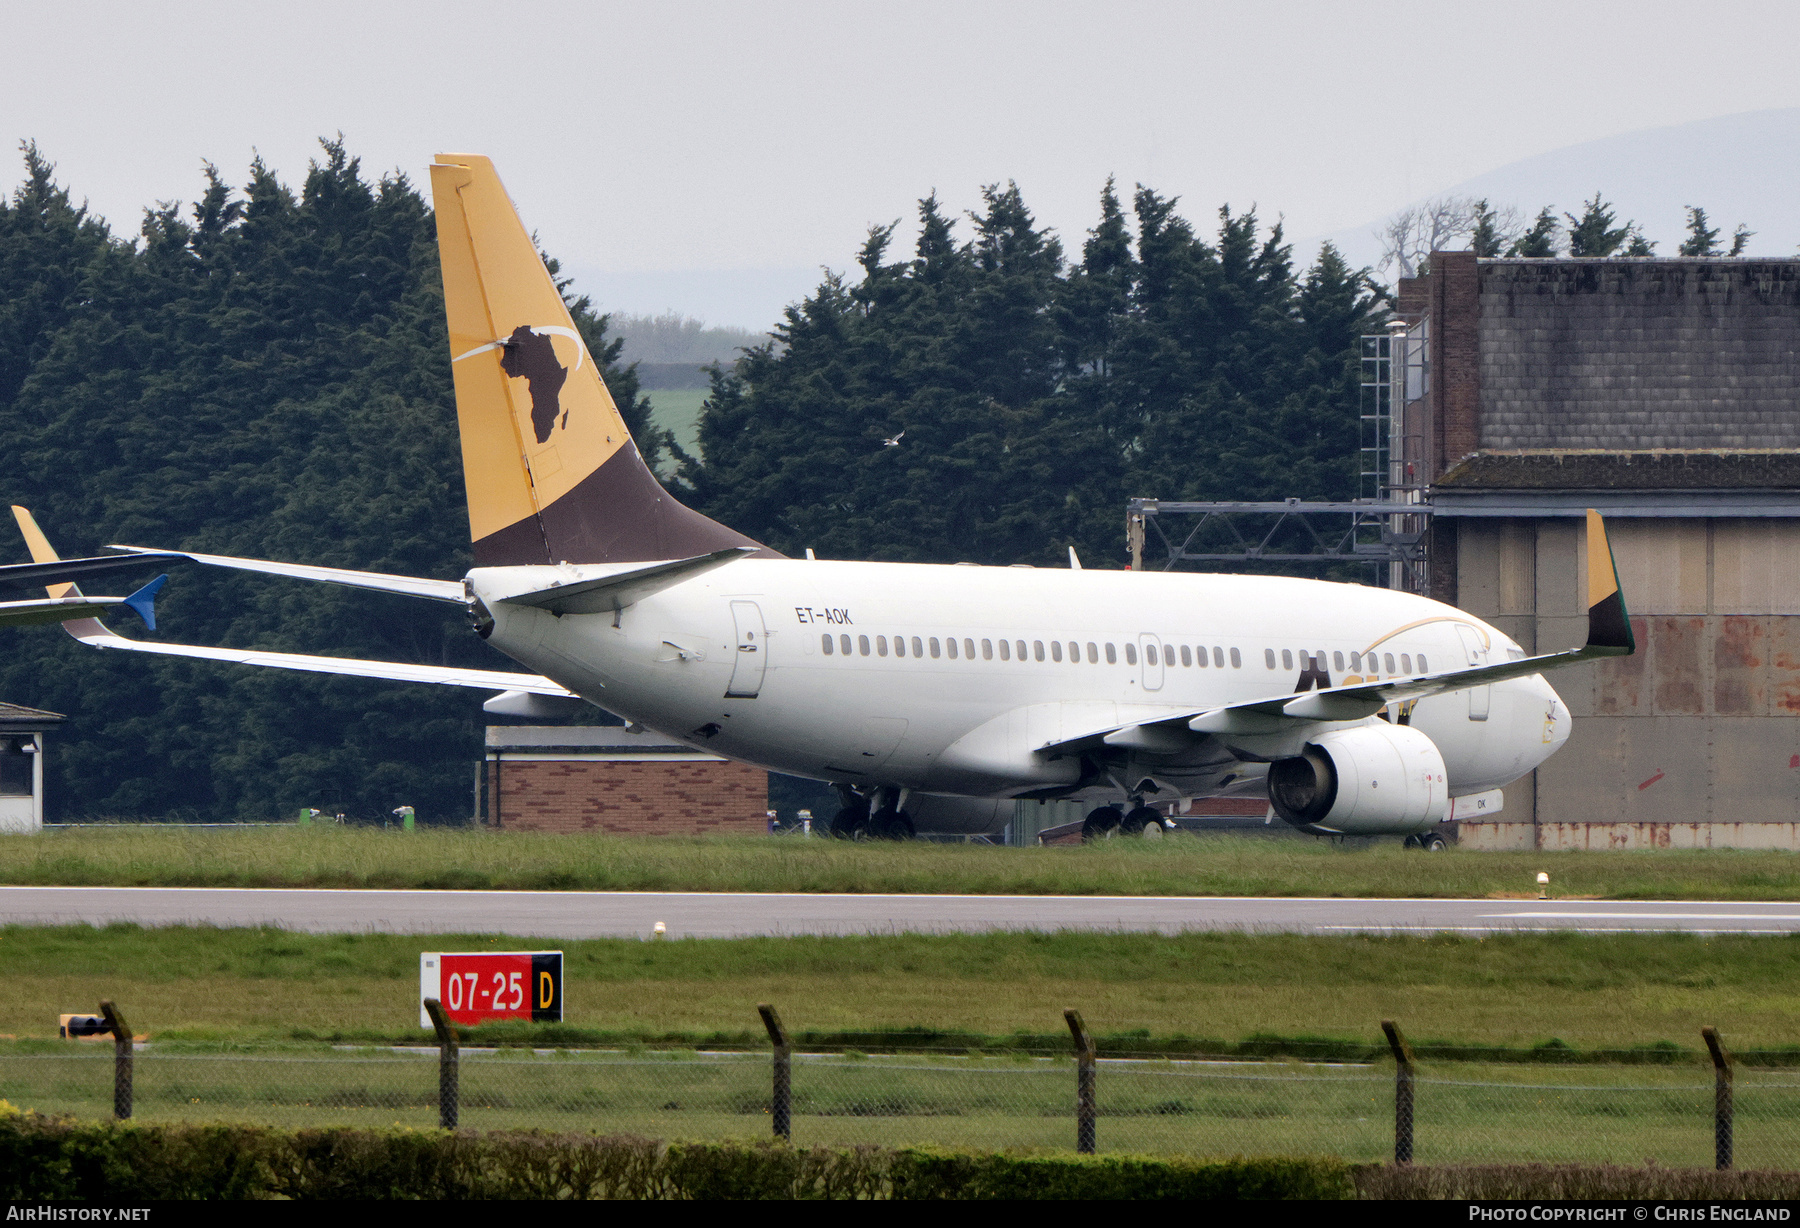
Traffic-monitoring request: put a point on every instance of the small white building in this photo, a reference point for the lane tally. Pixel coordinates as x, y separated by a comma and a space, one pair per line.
22, 766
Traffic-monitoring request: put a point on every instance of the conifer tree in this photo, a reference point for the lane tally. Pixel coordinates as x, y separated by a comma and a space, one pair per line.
1702, 240
1539, 240
1486, 241
1593, 233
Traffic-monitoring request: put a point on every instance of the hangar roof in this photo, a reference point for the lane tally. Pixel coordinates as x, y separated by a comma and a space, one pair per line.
1661, 482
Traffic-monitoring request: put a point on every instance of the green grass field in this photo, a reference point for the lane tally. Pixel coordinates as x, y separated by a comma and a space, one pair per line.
1465, 1112
283, 856
1193, 993
677, 410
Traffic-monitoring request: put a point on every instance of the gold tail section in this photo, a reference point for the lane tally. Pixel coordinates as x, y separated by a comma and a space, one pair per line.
552, 473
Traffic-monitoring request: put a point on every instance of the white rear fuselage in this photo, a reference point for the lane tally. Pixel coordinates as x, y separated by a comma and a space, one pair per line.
887, 674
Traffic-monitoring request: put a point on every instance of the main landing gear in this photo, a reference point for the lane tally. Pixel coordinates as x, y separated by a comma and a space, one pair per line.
1109, 821
875, 817
1431, 842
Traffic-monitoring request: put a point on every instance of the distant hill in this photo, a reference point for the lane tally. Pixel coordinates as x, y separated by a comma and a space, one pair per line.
1739, 168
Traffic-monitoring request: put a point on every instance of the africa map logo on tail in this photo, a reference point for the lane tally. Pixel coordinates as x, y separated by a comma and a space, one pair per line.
549, 468
529, 355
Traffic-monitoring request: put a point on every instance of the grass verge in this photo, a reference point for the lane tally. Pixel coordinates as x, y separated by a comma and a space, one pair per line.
1521, 997
1210, 865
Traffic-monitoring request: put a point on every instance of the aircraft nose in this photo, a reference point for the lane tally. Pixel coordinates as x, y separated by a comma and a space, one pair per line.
1557, 722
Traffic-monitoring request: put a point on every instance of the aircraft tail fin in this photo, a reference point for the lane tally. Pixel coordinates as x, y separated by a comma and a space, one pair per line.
551, 471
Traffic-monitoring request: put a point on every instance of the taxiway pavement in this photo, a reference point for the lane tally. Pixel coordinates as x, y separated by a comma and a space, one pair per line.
628, 914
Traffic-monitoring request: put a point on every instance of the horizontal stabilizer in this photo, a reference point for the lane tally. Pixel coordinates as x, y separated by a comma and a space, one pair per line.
606, 594
96, 634
382, 582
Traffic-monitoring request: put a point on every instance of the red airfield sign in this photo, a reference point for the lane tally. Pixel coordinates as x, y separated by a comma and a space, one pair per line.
476, 986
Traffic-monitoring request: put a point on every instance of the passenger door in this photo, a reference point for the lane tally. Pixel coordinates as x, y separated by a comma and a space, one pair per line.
752, 655
1480, 697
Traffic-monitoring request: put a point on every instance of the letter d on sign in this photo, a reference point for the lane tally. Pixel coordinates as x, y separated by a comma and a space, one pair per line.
547, 976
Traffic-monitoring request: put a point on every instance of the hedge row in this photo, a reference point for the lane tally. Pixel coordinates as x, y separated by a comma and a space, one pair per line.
45, 1159
52, 1159
1584, 1182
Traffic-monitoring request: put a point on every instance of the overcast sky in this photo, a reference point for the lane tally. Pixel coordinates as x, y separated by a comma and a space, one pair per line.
674, 143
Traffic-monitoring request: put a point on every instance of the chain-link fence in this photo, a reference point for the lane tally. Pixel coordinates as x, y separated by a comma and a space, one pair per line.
1460, 1112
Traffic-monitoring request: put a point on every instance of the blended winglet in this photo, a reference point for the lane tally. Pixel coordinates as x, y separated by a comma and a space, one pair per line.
1609, 623
39, 545
143, 602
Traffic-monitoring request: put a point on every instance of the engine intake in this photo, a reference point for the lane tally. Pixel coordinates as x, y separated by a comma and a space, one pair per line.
1371, 780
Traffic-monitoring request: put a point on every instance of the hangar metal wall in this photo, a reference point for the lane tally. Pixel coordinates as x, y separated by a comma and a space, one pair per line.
1697, 728
1667, 394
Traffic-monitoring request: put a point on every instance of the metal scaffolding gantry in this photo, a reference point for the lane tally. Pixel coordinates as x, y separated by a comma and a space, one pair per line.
1390, 536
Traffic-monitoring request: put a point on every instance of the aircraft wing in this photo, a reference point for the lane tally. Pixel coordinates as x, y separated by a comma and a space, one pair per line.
1609, 635
62, 609
624, 587
21, 578
96, 634
409, 586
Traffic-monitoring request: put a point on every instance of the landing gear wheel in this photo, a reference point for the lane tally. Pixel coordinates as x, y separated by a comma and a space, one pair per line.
1433, 843
1411, 842
1137, 819
1100, 824
851, 822
889, 824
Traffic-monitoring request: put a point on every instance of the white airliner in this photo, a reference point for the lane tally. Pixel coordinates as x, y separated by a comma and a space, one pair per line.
929, 696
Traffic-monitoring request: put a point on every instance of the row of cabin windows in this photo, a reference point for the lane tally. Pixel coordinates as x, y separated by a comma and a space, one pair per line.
1016, 650
1189, 657
1372, 663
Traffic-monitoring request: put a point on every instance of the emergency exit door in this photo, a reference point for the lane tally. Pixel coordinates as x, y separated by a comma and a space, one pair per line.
752, 655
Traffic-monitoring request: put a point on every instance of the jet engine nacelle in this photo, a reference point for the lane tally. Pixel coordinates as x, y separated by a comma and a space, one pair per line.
1370, 780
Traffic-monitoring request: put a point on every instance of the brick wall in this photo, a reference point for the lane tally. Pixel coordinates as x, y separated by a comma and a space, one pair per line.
1456, 363
629, 798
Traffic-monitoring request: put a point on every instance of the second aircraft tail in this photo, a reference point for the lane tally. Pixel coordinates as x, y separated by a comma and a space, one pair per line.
552, 473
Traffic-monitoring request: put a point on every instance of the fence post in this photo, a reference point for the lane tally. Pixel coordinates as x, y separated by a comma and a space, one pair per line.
449, 1087
781, 1099
1403, 1092
121, 1060
1721, 1098
1084, 1083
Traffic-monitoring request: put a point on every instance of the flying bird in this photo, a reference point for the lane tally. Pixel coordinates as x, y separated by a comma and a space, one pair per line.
894, 442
